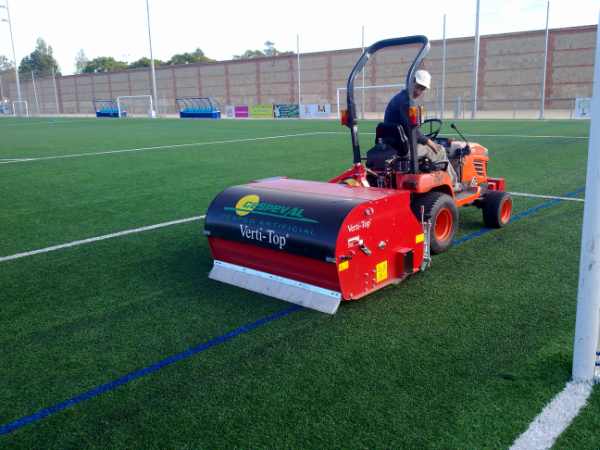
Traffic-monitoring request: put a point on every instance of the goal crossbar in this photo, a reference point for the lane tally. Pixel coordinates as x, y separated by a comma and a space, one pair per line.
366, 88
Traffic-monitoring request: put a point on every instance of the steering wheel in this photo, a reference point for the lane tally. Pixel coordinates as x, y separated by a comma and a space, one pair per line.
435, 126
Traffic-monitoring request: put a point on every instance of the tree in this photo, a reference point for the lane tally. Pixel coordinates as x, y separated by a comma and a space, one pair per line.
5, 64
145, 62
41, 61
197, 56
80, 61
249, 54
269, 51
104, 64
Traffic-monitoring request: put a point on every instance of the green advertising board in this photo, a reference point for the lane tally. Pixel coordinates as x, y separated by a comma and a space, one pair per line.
286, 111
261, 111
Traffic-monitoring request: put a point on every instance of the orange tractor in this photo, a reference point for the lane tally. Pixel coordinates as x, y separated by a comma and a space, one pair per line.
316, 244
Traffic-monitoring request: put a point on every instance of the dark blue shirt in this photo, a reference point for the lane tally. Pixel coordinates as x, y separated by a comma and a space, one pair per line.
396, 112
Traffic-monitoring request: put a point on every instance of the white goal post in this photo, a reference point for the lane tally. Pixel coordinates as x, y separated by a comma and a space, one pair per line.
20, 102
586, 351
387, 91
147, 107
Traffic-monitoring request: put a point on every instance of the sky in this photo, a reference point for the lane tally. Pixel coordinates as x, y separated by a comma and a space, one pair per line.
224, 28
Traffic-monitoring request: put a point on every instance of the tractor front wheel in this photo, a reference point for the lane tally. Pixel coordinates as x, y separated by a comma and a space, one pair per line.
440, 209
497, 209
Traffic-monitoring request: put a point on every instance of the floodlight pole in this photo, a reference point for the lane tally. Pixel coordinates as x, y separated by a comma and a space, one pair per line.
443, 102
299, 86
475, 63
543, 87
587, 322
152, 71
12, 41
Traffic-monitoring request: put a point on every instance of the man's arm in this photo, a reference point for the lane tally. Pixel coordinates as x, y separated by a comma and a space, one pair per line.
424, 140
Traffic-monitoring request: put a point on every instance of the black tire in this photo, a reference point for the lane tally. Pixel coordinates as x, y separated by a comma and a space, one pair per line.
441, 210
497, 209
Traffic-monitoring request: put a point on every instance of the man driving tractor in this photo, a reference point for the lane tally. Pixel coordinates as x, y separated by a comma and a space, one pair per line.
395, 113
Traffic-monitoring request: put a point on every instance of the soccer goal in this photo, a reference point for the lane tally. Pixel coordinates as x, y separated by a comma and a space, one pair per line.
135, 106
370, 100
198, 107
586, 348
20, 108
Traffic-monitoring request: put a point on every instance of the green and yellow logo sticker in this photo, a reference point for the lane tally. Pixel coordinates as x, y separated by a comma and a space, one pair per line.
246, 204
251, 204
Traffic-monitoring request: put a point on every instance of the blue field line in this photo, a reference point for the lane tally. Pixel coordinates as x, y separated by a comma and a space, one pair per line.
42, 413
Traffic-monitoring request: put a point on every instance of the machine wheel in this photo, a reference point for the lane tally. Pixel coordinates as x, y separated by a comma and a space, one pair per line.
441, 210
497, 209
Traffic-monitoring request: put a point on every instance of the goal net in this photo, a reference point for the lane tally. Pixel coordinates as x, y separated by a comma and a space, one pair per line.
20, 108
135, 106
370, 101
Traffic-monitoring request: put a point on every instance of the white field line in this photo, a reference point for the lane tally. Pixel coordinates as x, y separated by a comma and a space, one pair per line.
99, 238
166, 147
176, 222
554, 418
46, 122
552, 197
524, 136
11, 160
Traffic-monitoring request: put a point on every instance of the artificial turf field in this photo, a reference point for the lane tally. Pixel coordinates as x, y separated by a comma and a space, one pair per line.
464, 355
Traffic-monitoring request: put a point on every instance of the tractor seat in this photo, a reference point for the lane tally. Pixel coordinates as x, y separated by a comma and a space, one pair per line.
390, 143
393, 136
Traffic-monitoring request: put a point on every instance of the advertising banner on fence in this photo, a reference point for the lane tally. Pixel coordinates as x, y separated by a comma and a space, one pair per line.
582, 107
230, 111
316, 111
286, 111
261, 111
241, 111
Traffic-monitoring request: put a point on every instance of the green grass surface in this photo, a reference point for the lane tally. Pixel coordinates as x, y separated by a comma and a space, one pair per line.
464, 355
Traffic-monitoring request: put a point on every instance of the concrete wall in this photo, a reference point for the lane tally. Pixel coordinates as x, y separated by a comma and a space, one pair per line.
510, 75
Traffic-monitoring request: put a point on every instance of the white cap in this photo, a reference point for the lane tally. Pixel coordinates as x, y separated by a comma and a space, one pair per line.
423, 78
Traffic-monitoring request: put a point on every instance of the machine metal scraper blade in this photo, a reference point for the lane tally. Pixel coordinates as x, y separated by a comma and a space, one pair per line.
303, 294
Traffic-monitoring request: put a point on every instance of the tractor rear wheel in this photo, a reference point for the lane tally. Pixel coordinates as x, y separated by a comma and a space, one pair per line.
440, 209
497, 209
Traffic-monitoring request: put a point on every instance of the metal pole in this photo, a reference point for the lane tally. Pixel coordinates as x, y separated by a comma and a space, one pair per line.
443, 102
12, 41
475, 64
588, 294
35, 95
299, 86
363, 75
152, 71
55, 91
543, 96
